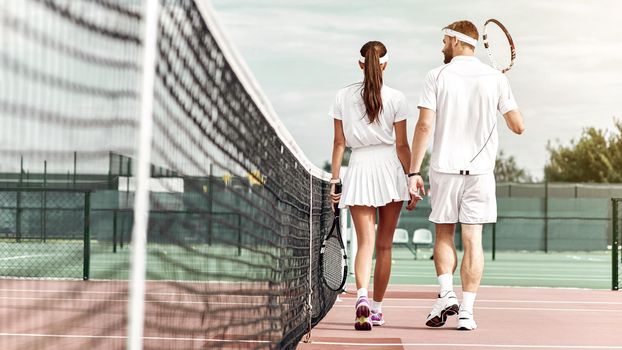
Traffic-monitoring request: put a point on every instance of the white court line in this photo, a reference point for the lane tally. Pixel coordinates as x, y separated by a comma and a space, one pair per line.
125, 301
451, 345
122, 337
408, 287
504, 277
212, 283
255, 296
27, 256
519, 301
543, 273
494, 308
336, 306
126, 281
228, 295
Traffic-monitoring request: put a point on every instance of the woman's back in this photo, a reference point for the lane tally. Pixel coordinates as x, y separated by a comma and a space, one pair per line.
349, 107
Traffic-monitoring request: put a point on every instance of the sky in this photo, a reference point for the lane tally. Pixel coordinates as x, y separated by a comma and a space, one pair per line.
567, 75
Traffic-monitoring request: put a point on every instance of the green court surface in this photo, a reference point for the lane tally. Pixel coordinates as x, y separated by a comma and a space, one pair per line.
63, 259
519, 269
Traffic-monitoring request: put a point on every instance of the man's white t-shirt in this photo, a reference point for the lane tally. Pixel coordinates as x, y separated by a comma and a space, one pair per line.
350, 109
466, 95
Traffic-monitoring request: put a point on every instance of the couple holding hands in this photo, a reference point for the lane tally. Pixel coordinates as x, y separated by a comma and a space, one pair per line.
458, 109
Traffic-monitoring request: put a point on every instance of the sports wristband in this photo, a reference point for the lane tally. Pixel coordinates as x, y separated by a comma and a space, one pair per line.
335, 181
414, 174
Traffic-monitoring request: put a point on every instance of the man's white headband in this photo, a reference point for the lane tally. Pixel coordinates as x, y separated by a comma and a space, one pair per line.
462, 37
383, 59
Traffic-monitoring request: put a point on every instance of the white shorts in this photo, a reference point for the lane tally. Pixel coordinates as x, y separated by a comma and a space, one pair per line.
468, 199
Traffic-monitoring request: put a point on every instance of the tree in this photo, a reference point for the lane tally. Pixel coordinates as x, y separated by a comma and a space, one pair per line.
506, 170
595, 157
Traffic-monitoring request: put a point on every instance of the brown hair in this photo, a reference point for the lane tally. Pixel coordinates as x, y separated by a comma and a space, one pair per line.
467, 28
372, 83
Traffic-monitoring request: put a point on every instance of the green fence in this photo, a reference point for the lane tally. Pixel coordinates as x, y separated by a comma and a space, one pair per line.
616, 240
45, 233
541, 217
59, 233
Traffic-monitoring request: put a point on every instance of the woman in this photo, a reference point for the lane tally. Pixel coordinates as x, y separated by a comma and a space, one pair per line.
370, 117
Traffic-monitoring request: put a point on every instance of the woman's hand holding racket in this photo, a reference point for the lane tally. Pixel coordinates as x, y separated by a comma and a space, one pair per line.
333, 258
335, 193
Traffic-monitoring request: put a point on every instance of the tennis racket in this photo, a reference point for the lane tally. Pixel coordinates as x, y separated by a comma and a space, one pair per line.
499, 45
333, 257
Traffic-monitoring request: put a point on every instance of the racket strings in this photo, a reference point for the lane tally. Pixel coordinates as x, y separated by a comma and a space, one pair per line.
333, 263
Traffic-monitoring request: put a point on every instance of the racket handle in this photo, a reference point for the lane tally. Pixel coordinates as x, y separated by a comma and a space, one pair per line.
338, 188
337, 191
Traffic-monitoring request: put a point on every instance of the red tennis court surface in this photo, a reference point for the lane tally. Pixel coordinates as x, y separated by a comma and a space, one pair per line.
54, 314
92, 315
507, 318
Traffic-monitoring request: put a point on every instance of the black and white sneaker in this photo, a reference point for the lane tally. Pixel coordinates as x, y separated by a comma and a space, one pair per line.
446, 305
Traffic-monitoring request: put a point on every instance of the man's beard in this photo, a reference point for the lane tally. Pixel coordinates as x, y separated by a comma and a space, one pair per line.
448, 56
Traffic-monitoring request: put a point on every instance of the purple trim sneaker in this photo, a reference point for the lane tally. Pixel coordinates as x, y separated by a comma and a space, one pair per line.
377, 319
362, 322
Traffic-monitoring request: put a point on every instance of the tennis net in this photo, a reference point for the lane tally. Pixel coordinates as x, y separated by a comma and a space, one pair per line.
236, 211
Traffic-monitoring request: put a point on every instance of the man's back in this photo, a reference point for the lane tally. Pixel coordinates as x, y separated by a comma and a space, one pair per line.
466, 95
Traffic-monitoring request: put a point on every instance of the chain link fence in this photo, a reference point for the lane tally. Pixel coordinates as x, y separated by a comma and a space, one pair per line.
44, 233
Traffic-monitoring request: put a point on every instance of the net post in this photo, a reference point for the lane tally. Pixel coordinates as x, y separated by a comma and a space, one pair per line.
136, 302
614, 244
87, 236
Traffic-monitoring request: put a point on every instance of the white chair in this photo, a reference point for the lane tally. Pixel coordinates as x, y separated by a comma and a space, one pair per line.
400, 236
422, 237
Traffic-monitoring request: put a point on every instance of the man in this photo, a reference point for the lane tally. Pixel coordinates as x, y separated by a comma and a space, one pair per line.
459, 101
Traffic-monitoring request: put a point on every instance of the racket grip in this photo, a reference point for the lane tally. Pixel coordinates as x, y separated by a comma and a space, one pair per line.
337, 191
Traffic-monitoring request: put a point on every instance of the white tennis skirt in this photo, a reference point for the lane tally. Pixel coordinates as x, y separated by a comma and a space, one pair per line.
374, 178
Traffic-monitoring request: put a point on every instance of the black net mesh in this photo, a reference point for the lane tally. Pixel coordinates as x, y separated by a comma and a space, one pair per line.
236, 218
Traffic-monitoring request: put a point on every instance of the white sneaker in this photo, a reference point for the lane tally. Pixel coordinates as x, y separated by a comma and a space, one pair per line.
466, 321
446, 305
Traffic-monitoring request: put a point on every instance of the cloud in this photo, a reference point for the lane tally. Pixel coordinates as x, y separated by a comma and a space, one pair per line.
567, 75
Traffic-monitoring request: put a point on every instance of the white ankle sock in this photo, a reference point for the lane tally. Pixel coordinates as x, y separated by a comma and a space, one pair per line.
468, 299
362, 292
376, 306
446, 281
